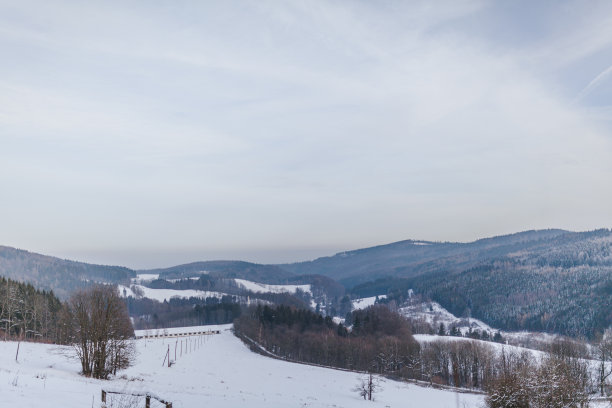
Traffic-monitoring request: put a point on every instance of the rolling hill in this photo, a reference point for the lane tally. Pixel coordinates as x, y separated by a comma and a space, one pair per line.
60, 275
547, 280
411, 258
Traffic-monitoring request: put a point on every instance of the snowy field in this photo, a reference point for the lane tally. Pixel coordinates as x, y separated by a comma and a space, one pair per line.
220, 373
265, 288
434, 314
166, 294
363, 303
145, 277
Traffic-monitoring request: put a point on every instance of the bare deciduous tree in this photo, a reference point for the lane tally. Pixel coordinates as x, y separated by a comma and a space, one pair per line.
100, 330
368, 386
603, 353
559, 380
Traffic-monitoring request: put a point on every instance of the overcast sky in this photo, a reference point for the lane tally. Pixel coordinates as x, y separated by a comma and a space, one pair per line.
155, 133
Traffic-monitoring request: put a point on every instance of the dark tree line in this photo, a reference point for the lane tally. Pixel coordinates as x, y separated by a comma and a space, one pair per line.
204, 282
383, 344
151, 314
27, 313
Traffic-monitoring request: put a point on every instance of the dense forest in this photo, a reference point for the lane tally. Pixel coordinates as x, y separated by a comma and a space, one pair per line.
27, 313
576, 302
194, 311
561, 285
381, 343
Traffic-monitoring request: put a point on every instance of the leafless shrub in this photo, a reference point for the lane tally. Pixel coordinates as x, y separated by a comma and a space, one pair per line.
100, 330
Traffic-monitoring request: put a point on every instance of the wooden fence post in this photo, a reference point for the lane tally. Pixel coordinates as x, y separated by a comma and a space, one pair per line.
148, 402
103, 396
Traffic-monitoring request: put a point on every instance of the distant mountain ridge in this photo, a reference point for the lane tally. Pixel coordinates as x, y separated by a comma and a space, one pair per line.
548, 280
411, 258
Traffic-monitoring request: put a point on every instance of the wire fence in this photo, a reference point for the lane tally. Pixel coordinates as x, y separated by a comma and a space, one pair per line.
118, 399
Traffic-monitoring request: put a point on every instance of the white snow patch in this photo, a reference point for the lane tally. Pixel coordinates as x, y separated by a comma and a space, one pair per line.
434, 314
363, 303
265, 288
167, 294
338, 320
145, 277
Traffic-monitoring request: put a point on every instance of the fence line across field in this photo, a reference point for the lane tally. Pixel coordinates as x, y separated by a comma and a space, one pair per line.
185, 334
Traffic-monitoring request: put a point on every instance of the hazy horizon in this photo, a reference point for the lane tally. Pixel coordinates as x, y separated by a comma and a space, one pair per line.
167, 257
163, 133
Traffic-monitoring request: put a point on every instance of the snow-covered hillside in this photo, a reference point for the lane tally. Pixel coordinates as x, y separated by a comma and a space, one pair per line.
160, 295
434, 314
166, 294
265, 288
145, 277
222, 372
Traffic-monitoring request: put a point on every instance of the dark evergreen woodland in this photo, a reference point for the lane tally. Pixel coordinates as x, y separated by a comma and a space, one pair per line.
27, 313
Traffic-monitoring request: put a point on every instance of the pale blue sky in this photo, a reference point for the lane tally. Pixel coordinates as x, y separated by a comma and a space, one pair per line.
156, 133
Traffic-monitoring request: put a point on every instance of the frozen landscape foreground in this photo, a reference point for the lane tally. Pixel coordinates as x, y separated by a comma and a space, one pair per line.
221, 372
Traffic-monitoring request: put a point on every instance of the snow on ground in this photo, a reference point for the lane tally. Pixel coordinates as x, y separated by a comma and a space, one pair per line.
145, 277
338, 320
362, 303
166, 294
497, 347
180, 279
530, 339
220, 373
263, 287
434, 314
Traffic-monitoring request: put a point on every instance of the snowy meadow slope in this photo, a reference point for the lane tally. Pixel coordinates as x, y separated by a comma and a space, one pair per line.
220, 372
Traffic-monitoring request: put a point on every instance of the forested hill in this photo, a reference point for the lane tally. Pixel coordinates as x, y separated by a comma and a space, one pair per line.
551, 280
548, 280
225, 269
411, 258
564, 287
560, 284
60, 275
